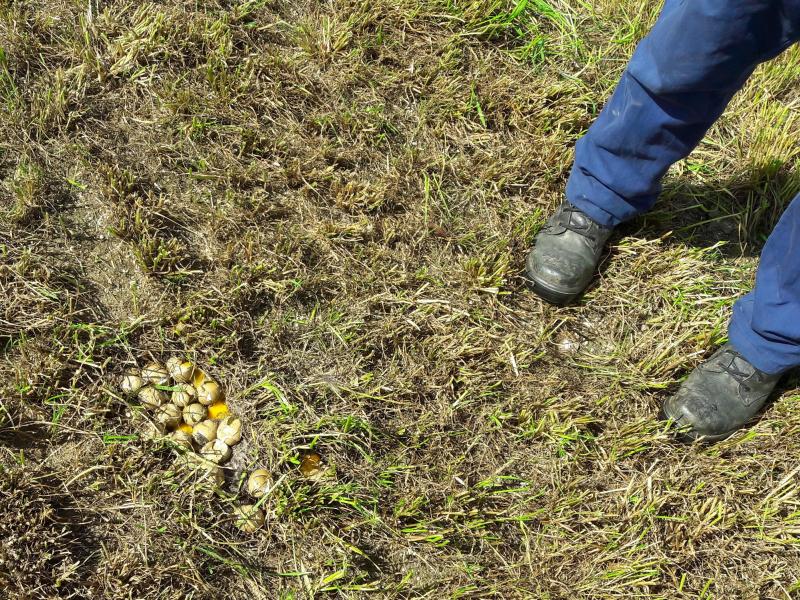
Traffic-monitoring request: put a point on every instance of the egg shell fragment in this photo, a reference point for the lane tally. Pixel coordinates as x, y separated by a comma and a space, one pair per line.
204, 432
230, 430
169, 416
209, 392
181, 438
183, 395
180, 370
131, 383
259, 483
151, 397
217, 451
194, 413
156, 374
249, 518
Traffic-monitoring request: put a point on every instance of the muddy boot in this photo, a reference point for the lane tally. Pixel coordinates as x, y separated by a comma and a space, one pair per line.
720, 396
565, 255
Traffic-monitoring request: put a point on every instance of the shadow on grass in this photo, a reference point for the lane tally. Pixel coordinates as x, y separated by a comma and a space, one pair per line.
740, 211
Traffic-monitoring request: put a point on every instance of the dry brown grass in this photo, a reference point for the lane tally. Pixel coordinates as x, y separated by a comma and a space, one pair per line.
329, 203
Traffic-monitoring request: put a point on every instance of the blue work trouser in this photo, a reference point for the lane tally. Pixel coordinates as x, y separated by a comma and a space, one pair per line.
678, 82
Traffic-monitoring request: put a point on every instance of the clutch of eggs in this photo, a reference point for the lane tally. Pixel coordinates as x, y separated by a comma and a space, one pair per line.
188, 407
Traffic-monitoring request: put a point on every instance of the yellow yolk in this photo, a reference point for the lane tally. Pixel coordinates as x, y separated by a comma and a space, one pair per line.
186, 428
198, 378
311, 464
217, 410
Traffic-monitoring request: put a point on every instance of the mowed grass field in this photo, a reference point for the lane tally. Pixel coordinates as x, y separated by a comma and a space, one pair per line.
328, 205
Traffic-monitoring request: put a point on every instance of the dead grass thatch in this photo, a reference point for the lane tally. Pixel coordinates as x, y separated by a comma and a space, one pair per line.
329, 204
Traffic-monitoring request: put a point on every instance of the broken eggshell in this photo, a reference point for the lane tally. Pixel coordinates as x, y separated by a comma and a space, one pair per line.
156, 374
131, 382
180, 370
217, 451
180, 438
259, 483
194, 413
151, 397
230, 430
169, 415
206, 473
151, 430
183, 395
209, 393
204, 432
249, 518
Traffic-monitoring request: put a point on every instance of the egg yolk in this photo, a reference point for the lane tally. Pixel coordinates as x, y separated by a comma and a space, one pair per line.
198, 377
217, 410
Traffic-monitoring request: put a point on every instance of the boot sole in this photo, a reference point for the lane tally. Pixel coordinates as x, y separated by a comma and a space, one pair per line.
555, 297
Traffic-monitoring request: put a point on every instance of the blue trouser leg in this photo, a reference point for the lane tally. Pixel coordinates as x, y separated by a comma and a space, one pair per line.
765, 326
681, 77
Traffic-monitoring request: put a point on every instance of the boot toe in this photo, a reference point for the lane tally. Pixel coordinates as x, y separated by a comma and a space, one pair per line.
561, 271
695, 416
719, 397
565, 255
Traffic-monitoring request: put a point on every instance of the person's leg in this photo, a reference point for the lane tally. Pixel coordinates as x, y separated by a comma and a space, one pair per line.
765, 327
727, 390
678, 82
